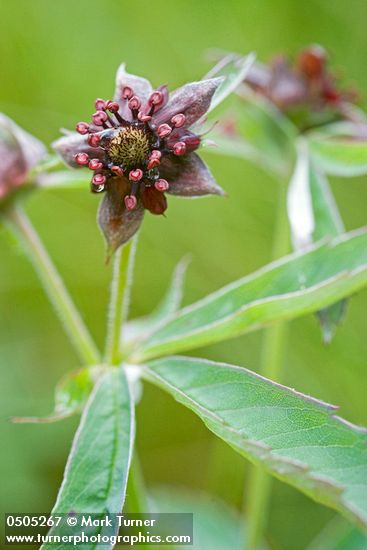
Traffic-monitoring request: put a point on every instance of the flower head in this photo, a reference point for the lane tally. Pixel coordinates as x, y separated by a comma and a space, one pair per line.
306, 91
139, 147
19, 153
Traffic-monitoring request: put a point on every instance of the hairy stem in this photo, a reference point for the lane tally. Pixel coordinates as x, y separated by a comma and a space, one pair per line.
271, 366
119, 300
53, 285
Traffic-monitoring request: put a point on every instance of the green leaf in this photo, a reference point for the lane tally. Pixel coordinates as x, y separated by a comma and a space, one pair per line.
234, 69
97, 469
340, 156
293, 286
297, 439
339, 535
71, 394
216, 525
313, 215
258, 132
140, 328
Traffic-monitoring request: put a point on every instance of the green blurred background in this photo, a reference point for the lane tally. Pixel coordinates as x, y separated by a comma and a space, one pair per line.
56, 58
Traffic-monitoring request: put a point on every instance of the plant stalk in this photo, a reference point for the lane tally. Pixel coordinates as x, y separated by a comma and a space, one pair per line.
123, 266
124, 260
271, 366
53, 285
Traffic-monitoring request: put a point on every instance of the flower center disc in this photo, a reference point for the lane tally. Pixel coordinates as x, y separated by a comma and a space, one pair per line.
128, 146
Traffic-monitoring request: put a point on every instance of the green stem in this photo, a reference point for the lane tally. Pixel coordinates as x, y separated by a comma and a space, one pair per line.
123, 266
54, 286
119, 300
271, 366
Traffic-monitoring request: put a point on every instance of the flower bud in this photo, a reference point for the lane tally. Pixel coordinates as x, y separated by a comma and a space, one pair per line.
19, 153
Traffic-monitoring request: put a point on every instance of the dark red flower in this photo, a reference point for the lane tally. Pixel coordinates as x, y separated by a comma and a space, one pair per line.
305, 90
19, 153
139, 147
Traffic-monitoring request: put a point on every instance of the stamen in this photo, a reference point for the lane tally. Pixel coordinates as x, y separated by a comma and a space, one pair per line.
100, 104
117, 170
156, 154
100, 118
178, 120
164, 130
94, 140
127, 92
135, 175
99, 179
156, 98
143, 117
134, 103
112, 106
179, 148
154, 159
82, 159
161, 185
82, 128
153, 163
130, 202
95, 164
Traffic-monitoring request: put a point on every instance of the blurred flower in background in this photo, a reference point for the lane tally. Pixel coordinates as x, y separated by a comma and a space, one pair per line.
20, 152
305, 90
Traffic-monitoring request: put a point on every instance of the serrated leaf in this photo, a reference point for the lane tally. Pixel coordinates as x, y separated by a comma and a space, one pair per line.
135, 330
293, 286
97, 469
297, 439
234, 69
340, 156
71, 394
313, 215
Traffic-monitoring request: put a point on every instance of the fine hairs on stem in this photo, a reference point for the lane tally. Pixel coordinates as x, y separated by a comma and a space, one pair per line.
54, 286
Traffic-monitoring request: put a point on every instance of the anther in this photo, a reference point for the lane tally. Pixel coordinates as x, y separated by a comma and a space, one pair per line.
134, 103
179, 148
154, 159
156, 154
143, 117
156, 98
82, 159
82, 128
99, 179
94, 140
178, 120
130, 202
99, 118
135, 175
95, 164
100, 104
117, 171
112, 106
164, 130
161, 185
153, 163
127, 92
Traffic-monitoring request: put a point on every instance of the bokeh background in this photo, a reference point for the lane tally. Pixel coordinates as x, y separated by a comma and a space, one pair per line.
55, 59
